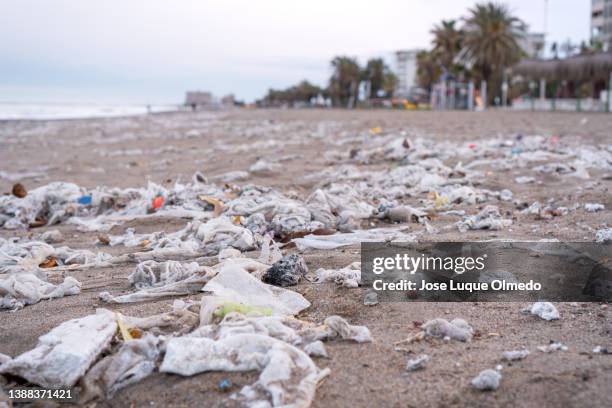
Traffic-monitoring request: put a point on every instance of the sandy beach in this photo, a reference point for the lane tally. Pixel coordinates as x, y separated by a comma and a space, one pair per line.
308, 149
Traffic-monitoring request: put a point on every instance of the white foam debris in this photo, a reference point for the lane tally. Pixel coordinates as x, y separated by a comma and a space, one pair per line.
487, 380
544, 310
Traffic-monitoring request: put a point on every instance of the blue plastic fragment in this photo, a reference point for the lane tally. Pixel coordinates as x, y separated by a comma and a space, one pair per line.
85, 200
225, 385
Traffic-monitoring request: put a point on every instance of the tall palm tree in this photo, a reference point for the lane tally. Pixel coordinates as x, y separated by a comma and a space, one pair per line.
345, 80
491, 40
374, 74
447, 42
428, 69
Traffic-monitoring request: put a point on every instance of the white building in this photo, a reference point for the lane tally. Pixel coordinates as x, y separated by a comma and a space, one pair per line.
533, 44
601, 21
406, 71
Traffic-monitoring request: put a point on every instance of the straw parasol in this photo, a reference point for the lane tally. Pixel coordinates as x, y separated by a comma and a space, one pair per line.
579, 68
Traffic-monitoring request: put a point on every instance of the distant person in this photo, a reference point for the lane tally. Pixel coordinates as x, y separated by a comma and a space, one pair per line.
193, 107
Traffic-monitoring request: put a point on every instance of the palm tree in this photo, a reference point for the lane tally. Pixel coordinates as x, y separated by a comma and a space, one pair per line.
344, 82
491, 40
380, 78
447, 43
390, 81
428, 69
374, 74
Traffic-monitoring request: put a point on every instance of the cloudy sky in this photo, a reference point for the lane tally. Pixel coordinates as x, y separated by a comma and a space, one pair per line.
151, 51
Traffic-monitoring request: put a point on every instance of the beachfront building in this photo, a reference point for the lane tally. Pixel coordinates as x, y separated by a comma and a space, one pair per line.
601, 22
406, 71
198, 100
533, 44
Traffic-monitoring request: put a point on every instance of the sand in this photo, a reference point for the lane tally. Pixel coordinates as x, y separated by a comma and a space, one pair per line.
126, 152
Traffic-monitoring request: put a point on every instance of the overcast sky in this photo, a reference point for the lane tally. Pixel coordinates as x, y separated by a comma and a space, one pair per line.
151, 51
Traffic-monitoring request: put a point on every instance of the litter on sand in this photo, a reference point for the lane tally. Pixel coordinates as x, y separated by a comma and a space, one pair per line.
456, 329
487, 380
552, 347
515, 355
63, 355
417, 363
544, 310
236, 284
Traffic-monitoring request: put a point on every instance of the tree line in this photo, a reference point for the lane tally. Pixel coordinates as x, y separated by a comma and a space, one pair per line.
348, 77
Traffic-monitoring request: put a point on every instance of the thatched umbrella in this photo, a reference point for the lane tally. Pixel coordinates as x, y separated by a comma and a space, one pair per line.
579, 68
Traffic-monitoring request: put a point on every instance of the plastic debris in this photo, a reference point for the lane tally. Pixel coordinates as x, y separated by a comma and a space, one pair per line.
287, 271
157, 203
234, 283
287, 375
456, 329
505, 195
169, 278
515, 355
487, 380
224, 385
544, 310
232, 307
349, 276
370, 299
552, 347
338, 327
134, 361
488, 219
316, 349
64, 354
417, 363
264, 167
84, 200
352, 238
524, 180
603, 236
22, 288
51, 237
594, 207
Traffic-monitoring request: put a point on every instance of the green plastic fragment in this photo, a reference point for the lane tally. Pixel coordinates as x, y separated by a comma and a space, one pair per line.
228, 307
